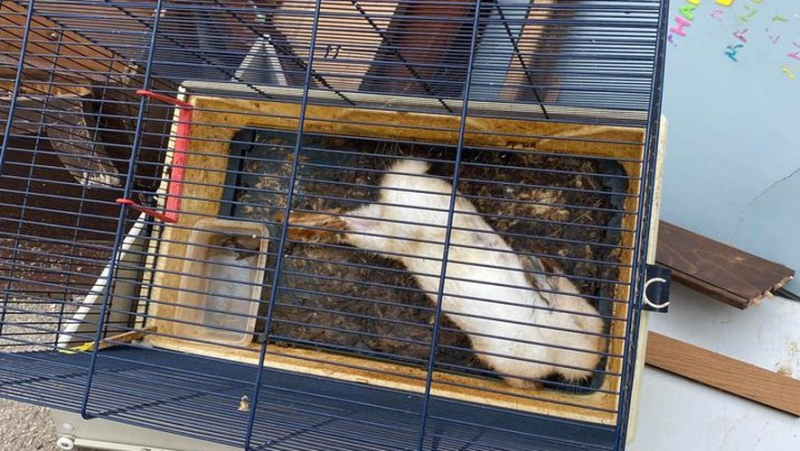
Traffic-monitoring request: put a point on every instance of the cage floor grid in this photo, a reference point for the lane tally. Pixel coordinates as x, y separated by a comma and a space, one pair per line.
202, 398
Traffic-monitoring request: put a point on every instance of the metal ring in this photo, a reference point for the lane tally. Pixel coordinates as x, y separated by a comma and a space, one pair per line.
647, 300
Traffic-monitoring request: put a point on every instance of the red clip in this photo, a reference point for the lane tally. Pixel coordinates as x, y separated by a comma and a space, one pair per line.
178, 171
162, 216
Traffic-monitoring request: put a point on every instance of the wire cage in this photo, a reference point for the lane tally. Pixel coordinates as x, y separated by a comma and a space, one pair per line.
331, 224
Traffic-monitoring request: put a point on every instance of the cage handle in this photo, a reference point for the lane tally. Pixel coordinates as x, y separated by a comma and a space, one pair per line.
178, 165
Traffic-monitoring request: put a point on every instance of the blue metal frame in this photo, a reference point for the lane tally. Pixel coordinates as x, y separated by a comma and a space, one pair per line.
17, 83
415, 421
123, 213
207, 390
285, 226
645, 216
462, 127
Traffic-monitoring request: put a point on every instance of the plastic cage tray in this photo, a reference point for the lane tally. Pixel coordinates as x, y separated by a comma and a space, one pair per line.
298, 407
617, 150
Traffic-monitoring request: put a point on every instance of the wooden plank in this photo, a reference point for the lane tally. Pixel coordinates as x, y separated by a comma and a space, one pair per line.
340, 65
51, 48
425, 37
38, 81
724, 373
717, 270
40, 198
63, 120
533, 74
113, 340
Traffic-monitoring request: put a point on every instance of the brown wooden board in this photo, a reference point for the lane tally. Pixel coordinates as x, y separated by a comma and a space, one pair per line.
426, 37
40, 198
533, 74
727, 374
337, 65
50, 48
717, 270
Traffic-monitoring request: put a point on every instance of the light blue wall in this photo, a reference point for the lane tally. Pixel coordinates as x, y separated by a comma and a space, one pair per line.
733, 155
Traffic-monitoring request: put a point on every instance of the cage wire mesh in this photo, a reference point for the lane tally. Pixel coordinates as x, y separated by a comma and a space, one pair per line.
330, 224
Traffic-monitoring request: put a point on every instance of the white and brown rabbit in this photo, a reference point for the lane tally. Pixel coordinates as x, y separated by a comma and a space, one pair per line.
526, 327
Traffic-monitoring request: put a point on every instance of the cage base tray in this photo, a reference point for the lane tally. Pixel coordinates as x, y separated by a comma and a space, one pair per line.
217, 385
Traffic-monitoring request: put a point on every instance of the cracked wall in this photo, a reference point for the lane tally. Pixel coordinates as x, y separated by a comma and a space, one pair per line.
732, 167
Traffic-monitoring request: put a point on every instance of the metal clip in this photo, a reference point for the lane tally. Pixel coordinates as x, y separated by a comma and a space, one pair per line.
655, 297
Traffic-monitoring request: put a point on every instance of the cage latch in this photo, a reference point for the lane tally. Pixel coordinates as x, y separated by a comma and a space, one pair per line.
656, 289
178, 166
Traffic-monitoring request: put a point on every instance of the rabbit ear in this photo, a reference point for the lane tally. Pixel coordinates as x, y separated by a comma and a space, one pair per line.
563, 284
533, 271
550, 266
536, 277
532, 263
557, 279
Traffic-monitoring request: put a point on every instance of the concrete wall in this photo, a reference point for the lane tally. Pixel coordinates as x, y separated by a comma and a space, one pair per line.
733, 165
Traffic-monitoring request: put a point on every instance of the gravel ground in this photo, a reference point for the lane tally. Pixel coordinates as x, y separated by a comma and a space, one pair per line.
24, 427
